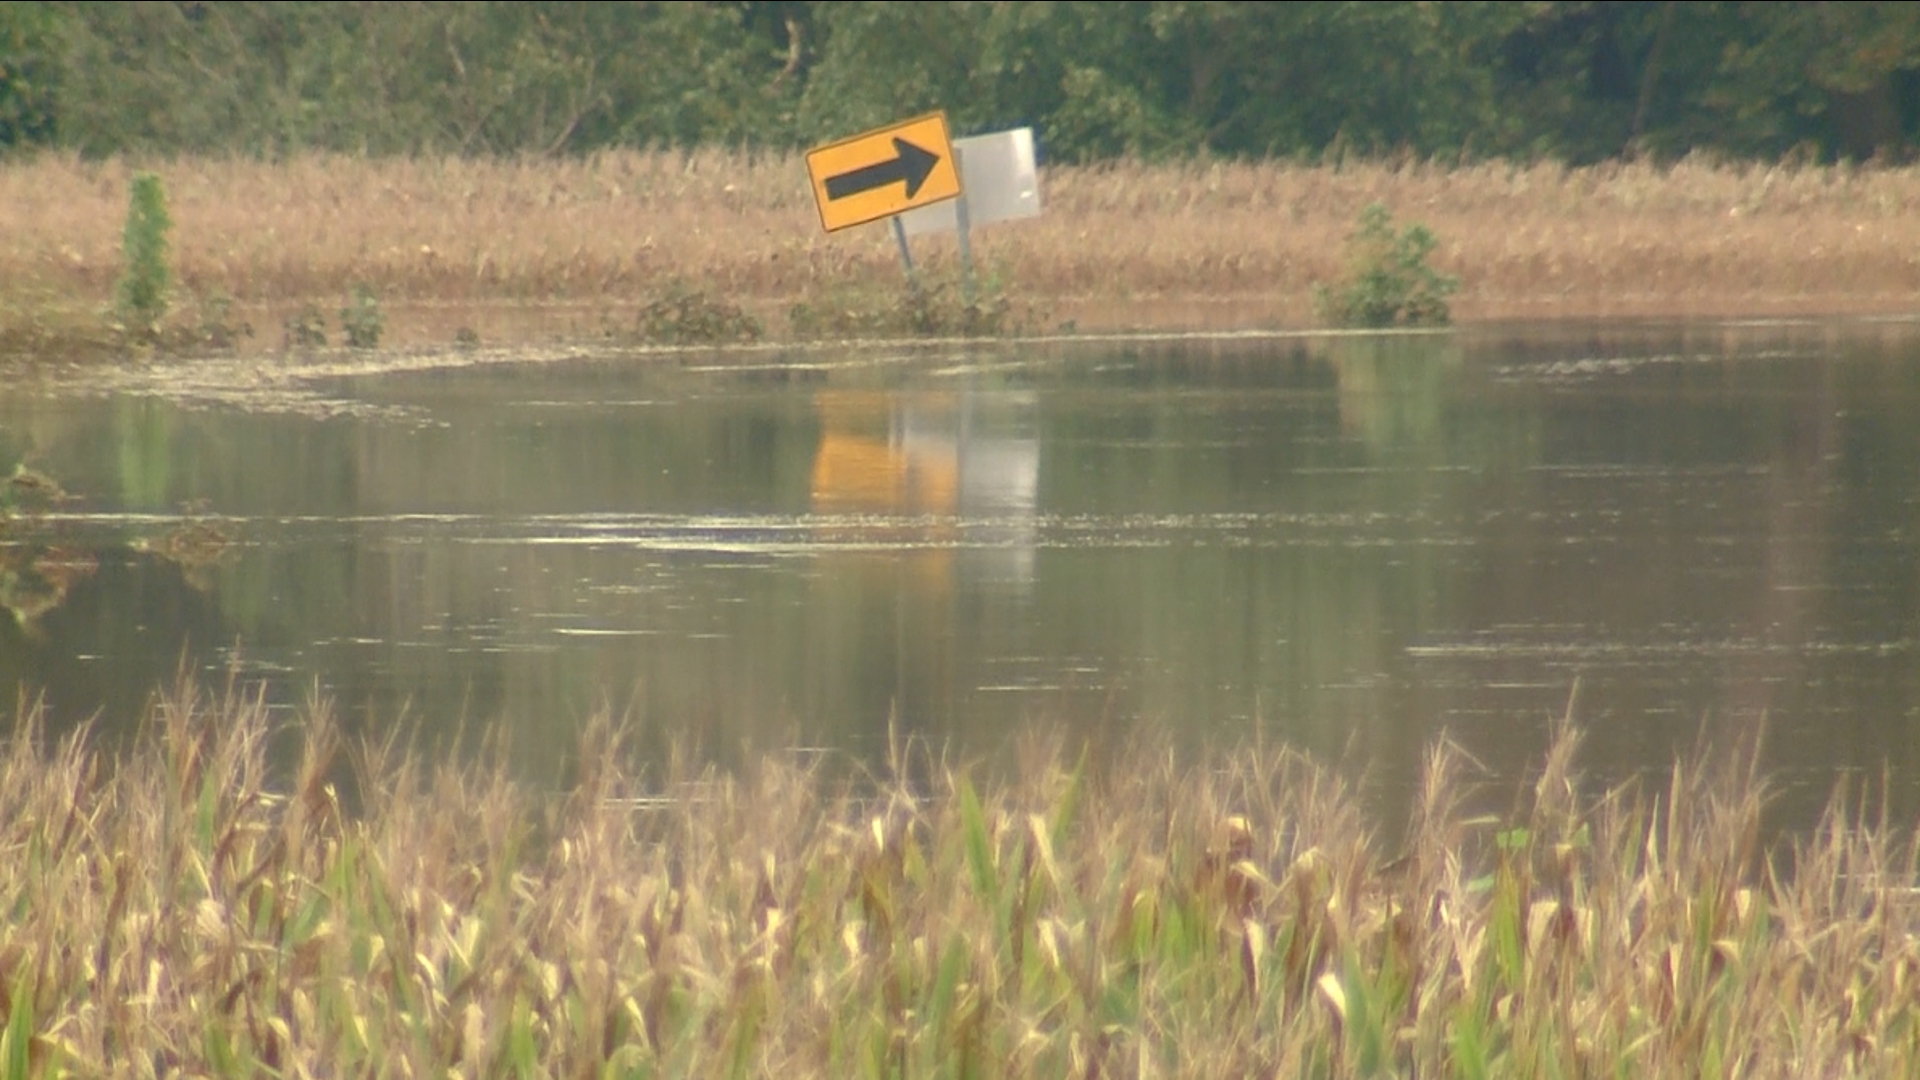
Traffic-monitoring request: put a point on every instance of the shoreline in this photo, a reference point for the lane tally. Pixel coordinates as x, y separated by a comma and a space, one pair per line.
277, 379
569, 330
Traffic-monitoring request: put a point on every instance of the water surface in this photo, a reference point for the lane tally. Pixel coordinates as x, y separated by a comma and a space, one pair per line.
1353, 544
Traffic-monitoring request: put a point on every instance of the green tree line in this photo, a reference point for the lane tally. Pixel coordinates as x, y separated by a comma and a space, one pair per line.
1575, 80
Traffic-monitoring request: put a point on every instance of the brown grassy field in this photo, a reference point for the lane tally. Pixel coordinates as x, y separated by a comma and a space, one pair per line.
184, 907
538, 249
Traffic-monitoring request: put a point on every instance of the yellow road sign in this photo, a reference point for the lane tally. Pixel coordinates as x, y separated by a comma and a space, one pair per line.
883, 172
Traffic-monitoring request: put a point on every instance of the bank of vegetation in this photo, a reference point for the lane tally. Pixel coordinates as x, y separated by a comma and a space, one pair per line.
207, 902
632, 246
450, 174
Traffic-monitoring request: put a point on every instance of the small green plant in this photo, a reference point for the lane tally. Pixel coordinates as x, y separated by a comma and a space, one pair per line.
305, 329
1389, 281
146, 281
362, 319
684, 316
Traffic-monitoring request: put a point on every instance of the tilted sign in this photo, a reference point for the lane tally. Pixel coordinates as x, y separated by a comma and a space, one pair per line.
883, 172
999, 181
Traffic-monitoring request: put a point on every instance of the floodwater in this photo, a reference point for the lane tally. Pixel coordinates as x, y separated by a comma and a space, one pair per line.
1353, 544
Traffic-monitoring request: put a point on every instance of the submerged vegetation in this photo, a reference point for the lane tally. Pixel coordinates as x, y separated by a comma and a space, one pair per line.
195, 907
681, 315
944, 305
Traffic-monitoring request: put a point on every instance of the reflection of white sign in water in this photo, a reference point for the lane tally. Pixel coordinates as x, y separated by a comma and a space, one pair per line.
999, 482
998, 182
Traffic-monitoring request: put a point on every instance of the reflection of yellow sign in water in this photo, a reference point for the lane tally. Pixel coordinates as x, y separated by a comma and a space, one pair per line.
851, 473
875, 457
883, 172
877, 468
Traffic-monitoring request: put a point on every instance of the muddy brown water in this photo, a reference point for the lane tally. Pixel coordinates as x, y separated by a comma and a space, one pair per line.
1353, 544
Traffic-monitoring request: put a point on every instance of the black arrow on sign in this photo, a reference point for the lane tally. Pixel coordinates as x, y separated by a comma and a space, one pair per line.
911, 164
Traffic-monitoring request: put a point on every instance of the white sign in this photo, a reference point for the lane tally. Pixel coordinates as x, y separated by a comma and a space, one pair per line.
998, 182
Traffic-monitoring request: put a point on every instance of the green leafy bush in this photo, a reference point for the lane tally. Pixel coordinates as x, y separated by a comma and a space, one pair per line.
362, 319
1388, 282
146, 280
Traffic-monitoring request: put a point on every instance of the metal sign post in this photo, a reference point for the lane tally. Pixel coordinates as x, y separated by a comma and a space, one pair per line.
906, 253
966, 244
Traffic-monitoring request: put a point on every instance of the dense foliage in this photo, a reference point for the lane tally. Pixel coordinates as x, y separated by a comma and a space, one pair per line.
1578, 80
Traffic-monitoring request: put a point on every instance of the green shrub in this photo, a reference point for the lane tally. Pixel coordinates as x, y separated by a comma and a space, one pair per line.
362, 319
146, 281
1388, 282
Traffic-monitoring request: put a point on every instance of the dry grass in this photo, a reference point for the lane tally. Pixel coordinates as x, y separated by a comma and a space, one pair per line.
557, 247
183, 908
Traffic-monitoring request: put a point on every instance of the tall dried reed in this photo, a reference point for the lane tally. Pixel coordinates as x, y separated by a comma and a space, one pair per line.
183, 907
1119, 244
